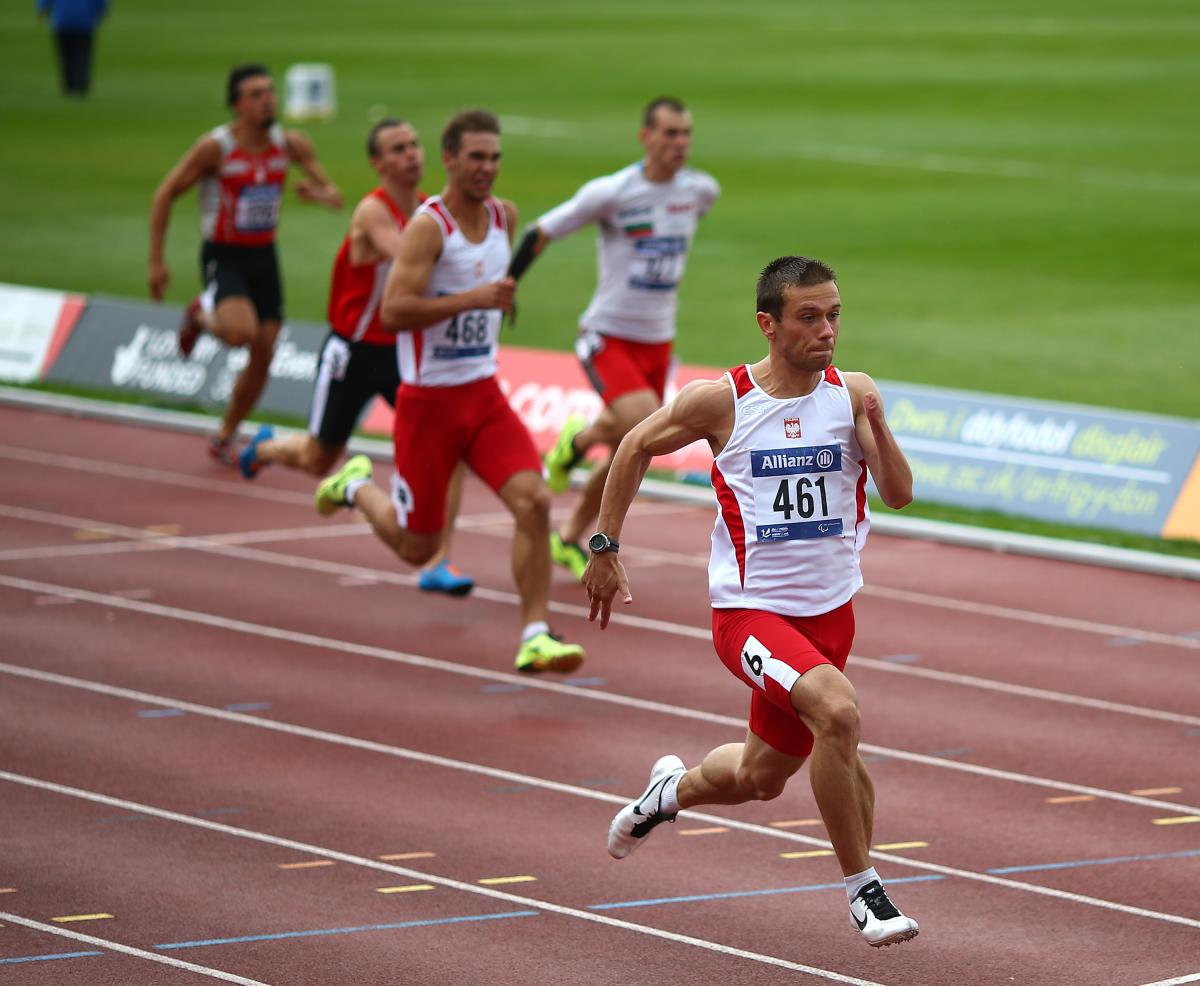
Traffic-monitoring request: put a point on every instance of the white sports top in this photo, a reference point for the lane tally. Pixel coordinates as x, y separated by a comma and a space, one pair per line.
461, 349
792, 506
645, 230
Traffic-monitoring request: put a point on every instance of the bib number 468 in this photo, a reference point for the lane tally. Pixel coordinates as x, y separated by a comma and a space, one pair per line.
468, 329
805, 503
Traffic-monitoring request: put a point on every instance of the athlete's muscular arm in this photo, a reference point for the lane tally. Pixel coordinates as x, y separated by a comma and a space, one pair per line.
373, 232
888, 466
202, 159
703, 409
405, 307
318, 187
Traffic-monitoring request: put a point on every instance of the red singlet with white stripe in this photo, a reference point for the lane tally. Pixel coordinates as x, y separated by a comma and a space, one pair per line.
792, 512
461, 349
357, 289
239, 205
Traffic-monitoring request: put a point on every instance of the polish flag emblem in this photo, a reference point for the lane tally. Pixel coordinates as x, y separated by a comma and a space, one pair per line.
791, 427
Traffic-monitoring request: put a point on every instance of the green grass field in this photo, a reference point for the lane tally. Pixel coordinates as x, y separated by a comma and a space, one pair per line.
1010, 191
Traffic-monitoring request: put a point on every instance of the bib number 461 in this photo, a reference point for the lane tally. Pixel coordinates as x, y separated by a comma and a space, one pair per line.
805, 503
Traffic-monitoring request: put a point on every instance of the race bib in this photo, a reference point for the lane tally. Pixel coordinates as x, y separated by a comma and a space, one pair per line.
659, 262
466, 335
257, 209
796, 492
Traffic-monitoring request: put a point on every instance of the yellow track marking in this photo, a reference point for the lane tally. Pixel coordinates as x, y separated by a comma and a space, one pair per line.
407, 855
794, 823
1146, 792
405, 889
307, 866
80, 917
901, 845
807, 854
491, 881
708, 831
1069, 799
1177, 820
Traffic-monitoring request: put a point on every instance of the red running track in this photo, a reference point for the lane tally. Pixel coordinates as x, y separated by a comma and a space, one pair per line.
236, 738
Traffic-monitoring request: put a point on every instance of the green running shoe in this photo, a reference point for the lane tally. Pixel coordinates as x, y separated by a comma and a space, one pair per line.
546, 652
331, 494
568, 554
561, 459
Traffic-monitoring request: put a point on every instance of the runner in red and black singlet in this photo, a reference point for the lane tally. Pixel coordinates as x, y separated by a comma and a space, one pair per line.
241, 168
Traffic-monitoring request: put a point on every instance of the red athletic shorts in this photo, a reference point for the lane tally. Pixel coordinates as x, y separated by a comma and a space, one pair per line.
435, 428
617, 366
770, 653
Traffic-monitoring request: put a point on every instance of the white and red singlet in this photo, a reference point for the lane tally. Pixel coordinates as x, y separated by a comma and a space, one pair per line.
792, 506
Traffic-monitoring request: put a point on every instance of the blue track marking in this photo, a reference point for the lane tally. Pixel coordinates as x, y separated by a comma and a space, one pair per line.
840, 885
159, 713
1071, 864
349, 931
902, 658
45, 958
248, 707
585, 682
501, 688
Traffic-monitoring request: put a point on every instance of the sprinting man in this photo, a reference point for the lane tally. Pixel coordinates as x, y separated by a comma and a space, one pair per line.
646, 216
793, 440
446, 295
358, 358
241, 167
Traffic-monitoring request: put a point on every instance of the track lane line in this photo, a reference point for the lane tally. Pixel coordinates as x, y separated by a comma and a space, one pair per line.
574, 790
215, 545
526, 681
658, 556
417, 875
130, 950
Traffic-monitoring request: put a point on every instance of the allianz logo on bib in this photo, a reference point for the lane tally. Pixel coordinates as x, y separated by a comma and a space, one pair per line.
790, 461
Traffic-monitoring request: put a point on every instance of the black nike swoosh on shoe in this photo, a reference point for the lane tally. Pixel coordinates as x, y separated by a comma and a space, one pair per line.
861, 924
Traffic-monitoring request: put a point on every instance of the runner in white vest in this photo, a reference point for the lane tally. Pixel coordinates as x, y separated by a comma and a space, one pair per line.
445, 296
793, 440
646, 216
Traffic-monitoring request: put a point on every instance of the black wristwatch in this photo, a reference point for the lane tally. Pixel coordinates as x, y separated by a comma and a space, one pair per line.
600, 543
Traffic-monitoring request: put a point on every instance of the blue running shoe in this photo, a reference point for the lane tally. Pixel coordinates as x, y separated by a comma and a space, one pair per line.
444, 577
248, 461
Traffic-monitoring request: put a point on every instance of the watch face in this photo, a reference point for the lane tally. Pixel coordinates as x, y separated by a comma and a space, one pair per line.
598, 542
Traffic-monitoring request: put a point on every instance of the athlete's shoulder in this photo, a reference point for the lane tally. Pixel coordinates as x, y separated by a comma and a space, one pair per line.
703, 402
703, 185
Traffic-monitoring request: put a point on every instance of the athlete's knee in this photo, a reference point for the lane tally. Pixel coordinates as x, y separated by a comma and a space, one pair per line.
416, 550
529, 502
317, 459
759, 783
836, 718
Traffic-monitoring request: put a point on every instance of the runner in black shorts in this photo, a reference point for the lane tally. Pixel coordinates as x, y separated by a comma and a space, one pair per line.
241, 168
229, 271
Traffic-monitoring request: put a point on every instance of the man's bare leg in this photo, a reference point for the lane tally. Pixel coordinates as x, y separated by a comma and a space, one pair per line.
376, 505
528, 500
253, 379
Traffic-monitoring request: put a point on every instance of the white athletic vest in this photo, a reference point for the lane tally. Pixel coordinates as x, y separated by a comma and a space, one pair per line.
461, 349
792, 512
645, 231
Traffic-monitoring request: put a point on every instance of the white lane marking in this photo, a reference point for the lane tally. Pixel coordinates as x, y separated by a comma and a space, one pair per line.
1178, 981
489, 524
1025, 691
141, 474
417, 875
358, 575
129, 950
526, 681
556, 786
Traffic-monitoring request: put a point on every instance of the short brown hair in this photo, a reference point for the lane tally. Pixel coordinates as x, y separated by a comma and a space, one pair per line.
373, 149
652, 108
468, 122
786, 272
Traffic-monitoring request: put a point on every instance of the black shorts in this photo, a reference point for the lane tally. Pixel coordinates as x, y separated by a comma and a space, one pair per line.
243, 272
348, 376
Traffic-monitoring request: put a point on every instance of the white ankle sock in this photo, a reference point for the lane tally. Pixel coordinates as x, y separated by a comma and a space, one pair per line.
353, 487
669, 801
533, 629
856, 882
